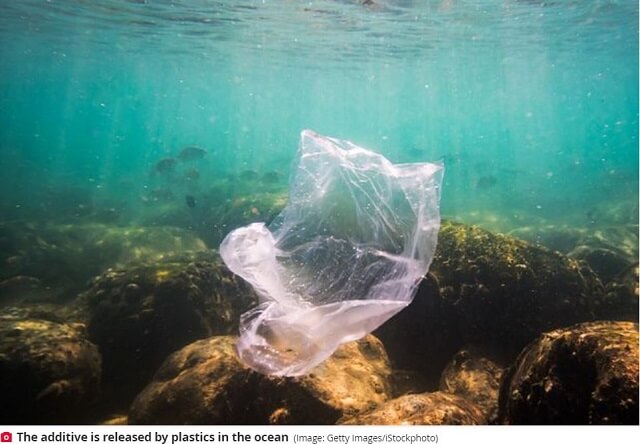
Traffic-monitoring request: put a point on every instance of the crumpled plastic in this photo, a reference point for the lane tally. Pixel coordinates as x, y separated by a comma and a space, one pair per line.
345, 255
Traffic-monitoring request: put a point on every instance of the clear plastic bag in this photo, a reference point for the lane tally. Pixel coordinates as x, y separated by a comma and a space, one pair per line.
344, 256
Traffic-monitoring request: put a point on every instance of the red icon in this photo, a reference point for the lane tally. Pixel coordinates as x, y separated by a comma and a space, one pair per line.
6, 437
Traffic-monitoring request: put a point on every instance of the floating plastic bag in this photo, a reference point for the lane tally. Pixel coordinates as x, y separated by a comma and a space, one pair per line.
344, 256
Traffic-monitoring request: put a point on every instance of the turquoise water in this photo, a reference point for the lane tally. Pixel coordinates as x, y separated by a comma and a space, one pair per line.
135, 134
531, 105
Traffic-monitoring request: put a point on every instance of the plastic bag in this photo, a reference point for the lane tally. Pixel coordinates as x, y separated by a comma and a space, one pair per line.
344, 256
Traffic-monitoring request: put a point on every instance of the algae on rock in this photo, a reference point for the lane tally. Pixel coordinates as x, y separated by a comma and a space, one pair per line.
49, 371
476, 379
140, 314
205, 383
436, 408
65, 256
489, 291
584, 374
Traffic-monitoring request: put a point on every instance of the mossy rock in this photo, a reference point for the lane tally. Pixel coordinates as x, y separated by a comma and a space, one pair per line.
490, 292
61, 258
475, 378
141, 314
70, 313
620, 301
606, 263
20, 289
242, 210
607, 249
437, 408
219, 211
205, 383
615, 212
562, 238
585, 374
49, 371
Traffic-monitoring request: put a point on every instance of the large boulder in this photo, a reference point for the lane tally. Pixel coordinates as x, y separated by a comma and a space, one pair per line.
585, 374
141, 314
49, 371
437, 408
491, 292
205, 383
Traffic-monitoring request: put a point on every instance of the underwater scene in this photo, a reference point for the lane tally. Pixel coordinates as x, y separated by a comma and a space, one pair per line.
319, 212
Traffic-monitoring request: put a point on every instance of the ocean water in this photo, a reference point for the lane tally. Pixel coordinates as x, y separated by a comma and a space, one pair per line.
135, 134
531, 105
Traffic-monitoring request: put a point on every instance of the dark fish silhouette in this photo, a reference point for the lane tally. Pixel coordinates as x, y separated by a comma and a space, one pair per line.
248, 175
486, 182
272, 177
190, 200
449, 159
191, 152
192, 174
166, 165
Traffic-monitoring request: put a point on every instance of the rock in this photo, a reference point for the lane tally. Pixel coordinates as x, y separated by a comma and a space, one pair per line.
585, 374
227, 205
406, 382
562, 238
204, 383
606, 263
611, 251
19, 289
620, 302
242, 210
620, 240
607, 249
615, 212
474, 378
60, 314
437, 408
115, 420
49, 371
61, 258
142, 314
487, 291
497, 221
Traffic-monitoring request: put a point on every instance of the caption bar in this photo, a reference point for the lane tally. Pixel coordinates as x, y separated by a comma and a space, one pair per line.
345, 434
211, 437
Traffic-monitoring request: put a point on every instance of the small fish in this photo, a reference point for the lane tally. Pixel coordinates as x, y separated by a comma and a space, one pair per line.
248, 175
449, 159
192, 174
486, 182
371, 5
272, 177
592, 216
190, 200
166, 165
191, 152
